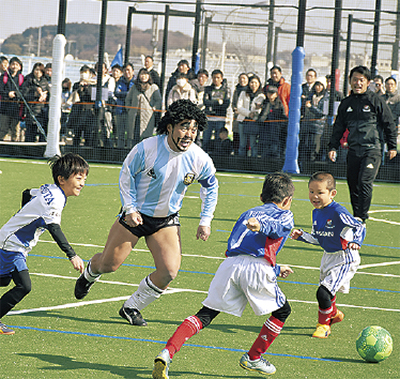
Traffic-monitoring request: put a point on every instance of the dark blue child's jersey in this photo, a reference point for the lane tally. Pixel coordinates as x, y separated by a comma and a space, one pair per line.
334, 228
276, 225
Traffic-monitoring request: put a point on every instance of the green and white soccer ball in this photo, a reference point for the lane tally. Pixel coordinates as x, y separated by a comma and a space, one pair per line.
374, 344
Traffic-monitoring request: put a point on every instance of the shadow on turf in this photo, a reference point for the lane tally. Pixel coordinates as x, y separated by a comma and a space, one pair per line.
67, 364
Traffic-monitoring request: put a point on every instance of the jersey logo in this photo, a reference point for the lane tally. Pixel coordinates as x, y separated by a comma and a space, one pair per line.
349, 109
370, 165
329, 224
366, 108
152, 173
189, 178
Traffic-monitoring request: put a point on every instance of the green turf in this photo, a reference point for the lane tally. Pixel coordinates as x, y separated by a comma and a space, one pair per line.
92, 341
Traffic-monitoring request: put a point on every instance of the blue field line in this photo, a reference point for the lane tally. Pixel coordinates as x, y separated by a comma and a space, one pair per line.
164, 342
212, 274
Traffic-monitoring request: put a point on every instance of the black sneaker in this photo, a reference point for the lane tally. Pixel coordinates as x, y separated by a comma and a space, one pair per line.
82, 287
133, 316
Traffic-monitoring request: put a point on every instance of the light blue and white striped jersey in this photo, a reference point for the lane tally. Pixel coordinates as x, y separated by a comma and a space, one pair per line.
21, 233
154, 179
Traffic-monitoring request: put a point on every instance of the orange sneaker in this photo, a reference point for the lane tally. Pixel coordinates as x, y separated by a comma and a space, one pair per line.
339, 316
322, 331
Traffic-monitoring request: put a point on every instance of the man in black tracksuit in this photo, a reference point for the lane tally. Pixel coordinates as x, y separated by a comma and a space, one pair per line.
366, 116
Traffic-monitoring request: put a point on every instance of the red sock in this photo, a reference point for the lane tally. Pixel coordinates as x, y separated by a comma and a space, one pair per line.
324, 315
270, 330
334, 309
189, 327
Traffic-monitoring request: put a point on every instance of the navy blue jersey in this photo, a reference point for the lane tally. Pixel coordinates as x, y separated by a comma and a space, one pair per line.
276, 225
334, 228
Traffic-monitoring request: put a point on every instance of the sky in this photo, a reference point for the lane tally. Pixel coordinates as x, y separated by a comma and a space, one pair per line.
21, 14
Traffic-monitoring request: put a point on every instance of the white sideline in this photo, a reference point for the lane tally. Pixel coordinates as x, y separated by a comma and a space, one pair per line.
222, 258
168, 292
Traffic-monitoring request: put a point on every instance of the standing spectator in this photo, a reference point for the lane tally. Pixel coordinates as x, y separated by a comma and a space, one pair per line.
199, 85
144, 105
277, 80
392, 98
338, 94
182, 68
36, 92
11, 109
149, 65
248, 107
242, 85
124, 84
82, 118
311, 77
65, 106
3, 64
217, 98
106, 124
363, 113
273, 126
153, 181
48, 72
378, 85
181, 90
116, 73
313, 125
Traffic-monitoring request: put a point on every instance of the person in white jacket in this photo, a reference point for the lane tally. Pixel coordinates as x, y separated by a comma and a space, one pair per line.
182, 90
248, 108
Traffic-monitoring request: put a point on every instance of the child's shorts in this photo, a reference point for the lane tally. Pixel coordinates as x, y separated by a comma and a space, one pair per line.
337, 269
241, 280
10, 261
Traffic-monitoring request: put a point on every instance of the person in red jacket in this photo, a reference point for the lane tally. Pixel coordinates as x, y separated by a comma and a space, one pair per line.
277, 80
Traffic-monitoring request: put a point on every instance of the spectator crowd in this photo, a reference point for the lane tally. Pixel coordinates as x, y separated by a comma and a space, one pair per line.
133, 104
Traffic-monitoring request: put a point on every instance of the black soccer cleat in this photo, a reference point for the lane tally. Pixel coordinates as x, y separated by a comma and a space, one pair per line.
133, 316
82, 287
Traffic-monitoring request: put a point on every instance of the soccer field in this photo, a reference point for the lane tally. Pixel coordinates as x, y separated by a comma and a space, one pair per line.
57, 336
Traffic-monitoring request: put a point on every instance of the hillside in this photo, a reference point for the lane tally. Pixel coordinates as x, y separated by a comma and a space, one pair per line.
83, 40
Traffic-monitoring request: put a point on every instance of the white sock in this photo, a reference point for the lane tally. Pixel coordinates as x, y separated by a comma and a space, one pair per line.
89, 275
145, 294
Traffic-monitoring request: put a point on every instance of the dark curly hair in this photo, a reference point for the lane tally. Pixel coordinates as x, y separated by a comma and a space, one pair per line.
182, 110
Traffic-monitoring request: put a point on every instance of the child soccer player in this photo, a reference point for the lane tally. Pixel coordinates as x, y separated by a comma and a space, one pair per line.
247, 275
341, 236
41, 210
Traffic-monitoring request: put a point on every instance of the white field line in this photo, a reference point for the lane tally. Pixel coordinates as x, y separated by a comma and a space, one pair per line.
168, 292
384, 220
379, 264
222, 258
384, 210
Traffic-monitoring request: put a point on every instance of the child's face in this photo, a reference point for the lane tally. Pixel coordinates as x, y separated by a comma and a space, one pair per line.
320, 196
73, 185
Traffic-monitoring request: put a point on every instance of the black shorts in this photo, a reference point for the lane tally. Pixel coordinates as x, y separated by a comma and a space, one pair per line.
150, 224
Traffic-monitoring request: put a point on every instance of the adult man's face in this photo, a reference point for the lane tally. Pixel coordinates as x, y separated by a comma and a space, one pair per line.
148, 63
202, 79
359, 83
390, 86
183, 68
217, 79
276, 75
311, 77
378, 84
4, 65
128, 72
182, 135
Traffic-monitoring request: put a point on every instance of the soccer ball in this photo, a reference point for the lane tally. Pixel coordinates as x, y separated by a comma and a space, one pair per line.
374, 344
